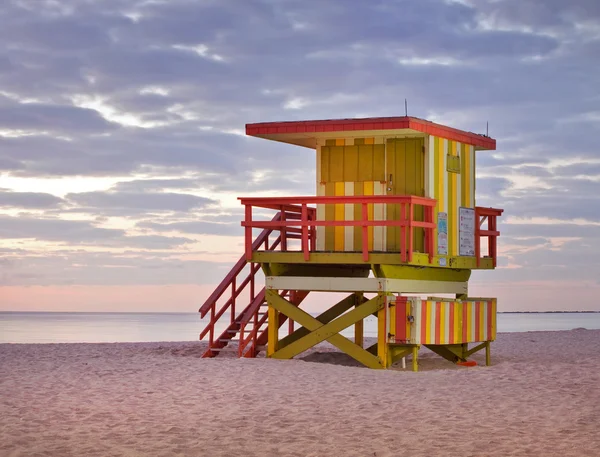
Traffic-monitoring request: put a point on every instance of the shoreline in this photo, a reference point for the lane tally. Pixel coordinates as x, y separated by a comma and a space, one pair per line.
367, 338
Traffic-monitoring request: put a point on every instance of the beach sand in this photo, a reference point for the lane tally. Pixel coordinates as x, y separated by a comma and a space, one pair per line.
541, 397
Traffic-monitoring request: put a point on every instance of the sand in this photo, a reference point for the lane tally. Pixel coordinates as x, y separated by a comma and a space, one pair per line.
541, 397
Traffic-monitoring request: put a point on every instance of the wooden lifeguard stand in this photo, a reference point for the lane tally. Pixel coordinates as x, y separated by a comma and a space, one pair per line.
394, 218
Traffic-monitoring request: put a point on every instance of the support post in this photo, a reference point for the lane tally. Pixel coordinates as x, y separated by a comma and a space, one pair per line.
273, 331
359, 333
488, 359
415, 358
382, 343
359, 326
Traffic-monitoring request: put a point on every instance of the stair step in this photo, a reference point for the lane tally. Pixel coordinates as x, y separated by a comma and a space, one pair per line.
225, 349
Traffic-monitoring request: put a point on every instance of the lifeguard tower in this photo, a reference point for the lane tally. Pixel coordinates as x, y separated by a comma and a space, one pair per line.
394, 225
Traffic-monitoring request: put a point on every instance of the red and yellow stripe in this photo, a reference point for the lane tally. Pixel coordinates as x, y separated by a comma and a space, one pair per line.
448, 321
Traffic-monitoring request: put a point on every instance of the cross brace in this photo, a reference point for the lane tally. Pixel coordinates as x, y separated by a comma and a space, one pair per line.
326, 327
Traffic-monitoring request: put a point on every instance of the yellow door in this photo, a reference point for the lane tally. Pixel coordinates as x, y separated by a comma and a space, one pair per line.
350, 170
406, 176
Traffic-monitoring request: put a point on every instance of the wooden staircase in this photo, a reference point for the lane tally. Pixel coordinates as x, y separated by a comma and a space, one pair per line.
250, 326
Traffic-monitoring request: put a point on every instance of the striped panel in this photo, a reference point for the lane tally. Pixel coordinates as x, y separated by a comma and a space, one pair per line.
340, 215
379, 215
453, 206
320, 217
358, 191
451, 322
439, 319
329, 216
430, 167
402, 325
320, 208
369, 189
414, 308
465, 180
444, 182
446, 322
484, 321
457, 313
472, 175
425, 322
472, 321
349, 216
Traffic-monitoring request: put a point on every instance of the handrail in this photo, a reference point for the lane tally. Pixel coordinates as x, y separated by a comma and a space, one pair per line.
230, 281
235, 271
481, 215
308, 223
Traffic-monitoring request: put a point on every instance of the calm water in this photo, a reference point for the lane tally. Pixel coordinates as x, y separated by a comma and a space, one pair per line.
130, 327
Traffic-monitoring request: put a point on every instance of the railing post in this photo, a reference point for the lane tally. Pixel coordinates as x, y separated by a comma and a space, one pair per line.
248, 232
410, 230
365, 232
477, 238
492, 239
403, 231
252, 273
283, 231
304, 225
241, 342
313, 233
254, 334
233, 296
211, 333
432, 234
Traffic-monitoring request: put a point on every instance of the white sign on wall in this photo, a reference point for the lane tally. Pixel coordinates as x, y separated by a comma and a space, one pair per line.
466, 231
442, 233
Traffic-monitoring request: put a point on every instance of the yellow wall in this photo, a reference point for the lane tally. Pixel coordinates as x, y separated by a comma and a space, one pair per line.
361, 166
452, 190
354, 166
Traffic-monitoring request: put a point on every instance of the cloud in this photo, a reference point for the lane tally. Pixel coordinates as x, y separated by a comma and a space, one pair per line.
153, 97
138, 202
72, 232
196, 227
29, 200
70, 267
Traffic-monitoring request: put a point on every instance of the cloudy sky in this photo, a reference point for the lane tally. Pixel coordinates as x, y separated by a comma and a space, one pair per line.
122, 149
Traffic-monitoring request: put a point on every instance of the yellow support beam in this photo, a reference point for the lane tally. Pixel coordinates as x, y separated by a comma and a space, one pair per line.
335, 311
273, 331
359, 326
330, 331
356, 258
382, 342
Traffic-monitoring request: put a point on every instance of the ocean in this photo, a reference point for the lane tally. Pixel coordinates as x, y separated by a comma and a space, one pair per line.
33, 327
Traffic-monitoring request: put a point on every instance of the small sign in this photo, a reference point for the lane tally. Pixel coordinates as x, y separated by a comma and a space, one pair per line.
466, 231
442, 261
453, 163
442, 233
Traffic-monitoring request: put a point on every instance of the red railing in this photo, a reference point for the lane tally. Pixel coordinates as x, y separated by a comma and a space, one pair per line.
305, 225
491, 233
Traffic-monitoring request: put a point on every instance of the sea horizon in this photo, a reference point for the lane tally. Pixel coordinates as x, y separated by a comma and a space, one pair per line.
314, 312
34, 327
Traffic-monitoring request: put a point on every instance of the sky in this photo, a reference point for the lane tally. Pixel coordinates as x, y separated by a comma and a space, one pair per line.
122, 146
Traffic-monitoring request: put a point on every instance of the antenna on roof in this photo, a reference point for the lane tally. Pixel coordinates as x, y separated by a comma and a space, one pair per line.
405, 108
487, 128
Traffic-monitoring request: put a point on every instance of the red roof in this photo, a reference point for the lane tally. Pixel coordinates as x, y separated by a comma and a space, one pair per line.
285, 131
